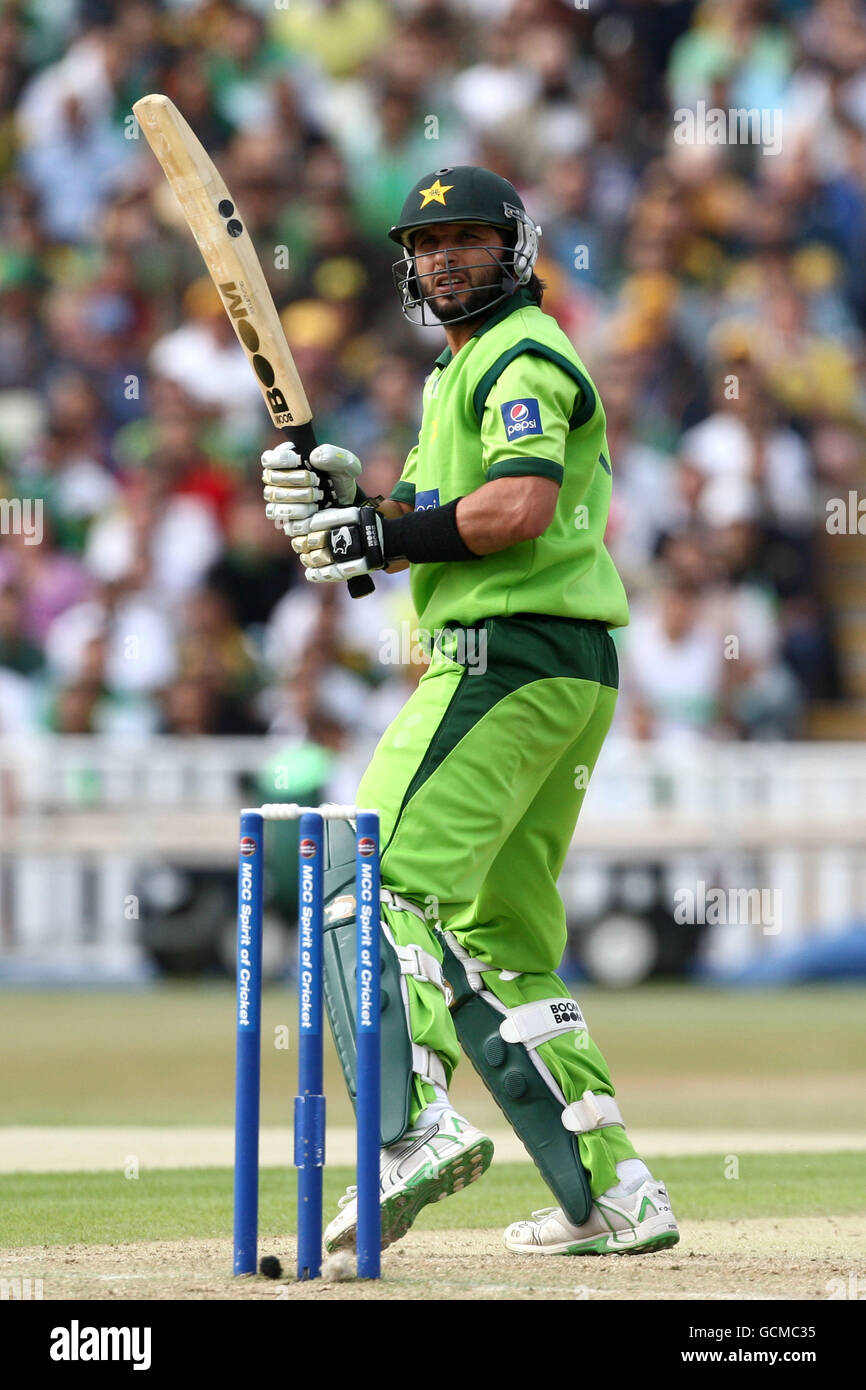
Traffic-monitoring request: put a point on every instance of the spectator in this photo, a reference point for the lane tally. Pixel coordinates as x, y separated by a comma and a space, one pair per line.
339, 36
171, 540
193, 706
75, 172
18, 704
47, 580
716, 293
17, 652
255, 570
212, 647
206, 360
744, 441
674, 676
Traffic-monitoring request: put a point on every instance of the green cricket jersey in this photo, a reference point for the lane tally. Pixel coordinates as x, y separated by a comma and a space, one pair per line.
516, 400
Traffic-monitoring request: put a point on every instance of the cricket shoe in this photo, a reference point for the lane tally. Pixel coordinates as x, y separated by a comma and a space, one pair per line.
630, 1223
430, 1162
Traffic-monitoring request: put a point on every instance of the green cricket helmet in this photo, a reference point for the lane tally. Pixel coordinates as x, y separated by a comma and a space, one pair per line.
466, 193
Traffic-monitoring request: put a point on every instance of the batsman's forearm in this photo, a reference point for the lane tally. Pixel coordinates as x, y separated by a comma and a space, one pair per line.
390, 508
506, 512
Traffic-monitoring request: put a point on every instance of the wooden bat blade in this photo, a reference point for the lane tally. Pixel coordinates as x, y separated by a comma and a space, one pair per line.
233, 265
229, 254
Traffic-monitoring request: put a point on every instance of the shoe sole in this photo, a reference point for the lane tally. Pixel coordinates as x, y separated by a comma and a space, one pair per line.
432, 1183
602, 1245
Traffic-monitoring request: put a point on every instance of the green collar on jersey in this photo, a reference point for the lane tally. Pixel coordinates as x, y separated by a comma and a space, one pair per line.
521, 299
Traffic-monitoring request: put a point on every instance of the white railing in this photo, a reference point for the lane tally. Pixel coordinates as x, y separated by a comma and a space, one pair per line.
80, 816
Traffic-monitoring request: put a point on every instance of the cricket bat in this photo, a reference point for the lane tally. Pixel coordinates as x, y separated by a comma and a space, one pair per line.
232, 263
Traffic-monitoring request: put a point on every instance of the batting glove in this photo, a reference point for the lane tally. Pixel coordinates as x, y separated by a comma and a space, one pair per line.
347, 542
293, 492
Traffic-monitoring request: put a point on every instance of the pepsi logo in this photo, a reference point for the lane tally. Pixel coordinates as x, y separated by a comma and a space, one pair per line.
521, 418
366, 846
248, 846
307, 849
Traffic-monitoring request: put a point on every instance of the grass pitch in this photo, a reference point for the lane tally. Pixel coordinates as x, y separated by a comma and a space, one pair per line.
680, 1057
52, 1209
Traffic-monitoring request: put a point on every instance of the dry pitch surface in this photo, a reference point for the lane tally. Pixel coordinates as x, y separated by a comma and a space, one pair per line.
798, 1258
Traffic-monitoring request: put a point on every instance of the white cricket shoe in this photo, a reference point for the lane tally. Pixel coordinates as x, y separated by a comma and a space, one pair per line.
430, 1162
628, 1224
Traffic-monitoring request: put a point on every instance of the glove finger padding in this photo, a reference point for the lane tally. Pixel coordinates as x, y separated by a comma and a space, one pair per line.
299, 527
291, 477
309, 542
333, 574
316, 555
283, 456
305, 495
330, 458
292, 494
342, 468
282, 512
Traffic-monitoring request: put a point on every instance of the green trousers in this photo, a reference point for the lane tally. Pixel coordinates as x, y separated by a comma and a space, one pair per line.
479, 782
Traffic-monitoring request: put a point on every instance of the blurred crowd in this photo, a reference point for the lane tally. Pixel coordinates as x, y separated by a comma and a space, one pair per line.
715, 291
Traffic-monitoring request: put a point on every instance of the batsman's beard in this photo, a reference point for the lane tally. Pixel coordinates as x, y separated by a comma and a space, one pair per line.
461, 305
456, 304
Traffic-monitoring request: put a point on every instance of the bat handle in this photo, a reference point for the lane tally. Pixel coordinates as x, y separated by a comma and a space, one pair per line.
304, 439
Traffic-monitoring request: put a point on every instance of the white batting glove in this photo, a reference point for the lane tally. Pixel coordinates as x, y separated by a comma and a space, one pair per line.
342, 466
346, 542
292, 491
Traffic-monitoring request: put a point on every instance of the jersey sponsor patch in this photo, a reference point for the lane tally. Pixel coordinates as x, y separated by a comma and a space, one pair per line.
426, 501
521, 417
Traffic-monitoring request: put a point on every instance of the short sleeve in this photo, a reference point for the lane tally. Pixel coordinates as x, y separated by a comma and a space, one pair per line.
404, 491
527, 415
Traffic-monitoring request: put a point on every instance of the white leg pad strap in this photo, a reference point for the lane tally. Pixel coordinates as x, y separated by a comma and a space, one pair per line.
414, 960
400, 904
536, 1023
421, 965
426, 1064
592, 1111
472, 967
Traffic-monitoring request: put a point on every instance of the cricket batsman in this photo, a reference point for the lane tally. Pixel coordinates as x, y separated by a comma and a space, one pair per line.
500, 514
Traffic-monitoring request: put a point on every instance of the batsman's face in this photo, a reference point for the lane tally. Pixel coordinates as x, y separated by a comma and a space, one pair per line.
456, 265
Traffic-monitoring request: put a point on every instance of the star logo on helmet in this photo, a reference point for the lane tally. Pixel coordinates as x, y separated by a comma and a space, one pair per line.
435, 193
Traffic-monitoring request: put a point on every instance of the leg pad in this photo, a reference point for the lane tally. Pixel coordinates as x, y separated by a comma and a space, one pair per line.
531, 1106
